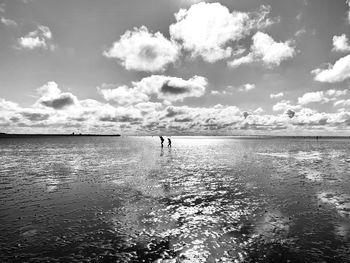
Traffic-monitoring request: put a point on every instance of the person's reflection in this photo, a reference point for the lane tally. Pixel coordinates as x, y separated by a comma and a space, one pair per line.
161, 151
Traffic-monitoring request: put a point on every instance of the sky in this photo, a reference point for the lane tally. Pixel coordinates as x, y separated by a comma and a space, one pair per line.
175, 67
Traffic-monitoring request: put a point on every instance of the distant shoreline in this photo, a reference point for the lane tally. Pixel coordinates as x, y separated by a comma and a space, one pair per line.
20, 135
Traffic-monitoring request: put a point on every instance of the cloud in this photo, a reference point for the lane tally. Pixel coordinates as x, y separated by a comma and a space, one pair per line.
142, 50
190, 2
241, 61
121, 118
245, 114
272, 53
122, 95
40, 38
148, 107
266, 50
285, 105
336, 93
165, 88
215, 92
64, 100
340, 43
348, 12
2, 7
208, 29
231, 89
307, 117
311, 97
321, 96
172, 88
338, 72
35, 116
151, 117
224, 92
300, 32
247, 87
277, 95
342, 103
201, 118
8, 22
259, 111
290, 113
52, 97
8, 105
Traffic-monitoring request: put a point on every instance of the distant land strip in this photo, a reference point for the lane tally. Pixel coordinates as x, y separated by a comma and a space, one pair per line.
22, 135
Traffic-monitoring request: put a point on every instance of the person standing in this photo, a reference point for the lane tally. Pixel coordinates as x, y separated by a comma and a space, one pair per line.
161, 141
169, 142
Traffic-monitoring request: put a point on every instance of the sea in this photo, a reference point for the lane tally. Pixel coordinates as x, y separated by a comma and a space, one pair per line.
205, 199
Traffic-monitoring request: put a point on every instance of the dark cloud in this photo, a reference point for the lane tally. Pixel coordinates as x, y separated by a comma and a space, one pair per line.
151, 126
183, 119
262, 127
148, 52
167, 88
123, 118
79, 119
290, 113
33, 116
14, 119
245, 114
323, 121
65, 99
125, 126
172, 112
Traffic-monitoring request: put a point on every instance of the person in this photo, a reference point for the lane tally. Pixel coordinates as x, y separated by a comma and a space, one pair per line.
169, 142
161, 141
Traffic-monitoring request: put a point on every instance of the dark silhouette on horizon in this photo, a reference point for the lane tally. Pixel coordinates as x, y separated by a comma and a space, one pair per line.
29, 135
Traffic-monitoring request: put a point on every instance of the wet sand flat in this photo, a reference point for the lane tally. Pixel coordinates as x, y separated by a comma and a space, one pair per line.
206, 199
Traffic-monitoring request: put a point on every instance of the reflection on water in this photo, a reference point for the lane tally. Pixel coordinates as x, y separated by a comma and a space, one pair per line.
203, 200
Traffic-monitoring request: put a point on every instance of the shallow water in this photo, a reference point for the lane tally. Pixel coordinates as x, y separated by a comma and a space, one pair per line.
207, 199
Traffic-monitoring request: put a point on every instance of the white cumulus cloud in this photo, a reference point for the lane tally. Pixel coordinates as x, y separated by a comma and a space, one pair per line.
122, 95
342, 103
310, 97
7, 105
40, 38
208, 29
276, 95
247, 87
340, 43
338, 72
8, 22
272, 53
321, 96
285, 105
142, 50
266, 50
